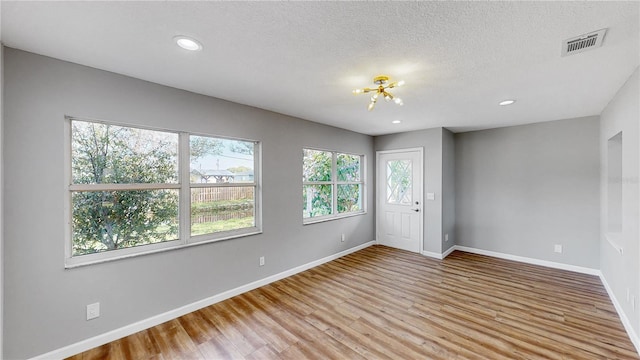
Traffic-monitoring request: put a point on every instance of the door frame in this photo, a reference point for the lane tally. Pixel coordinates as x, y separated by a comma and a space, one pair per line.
420, 194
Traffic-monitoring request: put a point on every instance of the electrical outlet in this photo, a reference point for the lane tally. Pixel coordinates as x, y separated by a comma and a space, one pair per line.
93, 311
557, 248
446, 237
342, 238
261, 260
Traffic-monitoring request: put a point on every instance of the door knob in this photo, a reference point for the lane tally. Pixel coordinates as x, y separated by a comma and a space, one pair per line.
416, 210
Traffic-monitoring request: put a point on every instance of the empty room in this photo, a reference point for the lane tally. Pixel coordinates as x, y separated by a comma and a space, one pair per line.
319, 180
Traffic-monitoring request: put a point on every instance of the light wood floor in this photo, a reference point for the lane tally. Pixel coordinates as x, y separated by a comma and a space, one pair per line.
383, 303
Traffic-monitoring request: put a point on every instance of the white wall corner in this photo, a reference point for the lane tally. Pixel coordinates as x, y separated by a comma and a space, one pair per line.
449, 251
431, 254
436, 255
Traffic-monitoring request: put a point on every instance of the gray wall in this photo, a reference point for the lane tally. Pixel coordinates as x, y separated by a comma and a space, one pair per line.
522, 189
448, 189
431, 141
622, 271
1, 198
44, 303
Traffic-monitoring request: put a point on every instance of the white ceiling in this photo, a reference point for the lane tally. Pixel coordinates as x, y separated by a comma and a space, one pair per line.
459, 59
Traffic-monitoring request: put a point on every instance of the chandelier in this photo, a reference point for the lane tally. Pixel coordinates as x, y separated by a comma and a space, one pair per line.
381, 90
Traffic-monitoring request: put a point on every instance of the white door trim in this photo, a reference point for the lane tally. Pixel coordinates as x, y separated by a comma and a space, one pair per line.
421, 192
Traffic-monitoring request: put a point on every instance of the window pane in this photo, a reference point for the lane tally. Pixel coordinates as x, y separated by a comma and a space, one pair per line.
317, 200
111, 220
349, 198
399, 182
215, 160
221, 209
348, 167
316, 165
112, 154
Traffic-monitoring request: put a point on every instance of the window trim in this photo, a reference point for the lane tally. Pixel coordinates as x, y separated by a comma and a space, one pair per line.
334, 187
183, 186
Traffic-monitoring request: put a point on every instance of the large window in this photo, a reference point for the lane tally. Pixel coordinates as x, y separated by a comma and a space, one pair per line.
332, 185
136, 190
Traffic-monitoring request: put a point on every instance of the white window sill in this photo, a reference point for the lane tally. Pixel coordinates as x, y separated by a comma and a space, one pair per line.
614, 240
98, 258
316, 220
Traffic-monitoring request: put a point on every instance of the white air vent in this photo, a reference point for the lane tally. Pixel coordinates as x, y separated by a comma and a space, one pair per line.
582, 43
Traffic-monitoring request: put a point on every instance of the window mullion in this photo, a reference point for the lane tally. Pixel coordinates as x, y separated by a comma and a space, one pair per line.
257, 193
317, 182
184, 207
334, 180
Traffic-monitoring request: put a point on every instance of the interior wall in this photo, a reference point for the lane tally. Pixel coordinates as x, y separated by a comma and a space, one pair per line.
45, 304
621, 271
1, 198
431, 141
520, 190
448, 190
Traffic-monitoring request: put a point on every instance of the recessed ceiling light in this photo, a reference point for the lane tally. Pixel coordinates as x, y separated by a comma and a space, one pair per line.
506, 102
396, 122
188, 43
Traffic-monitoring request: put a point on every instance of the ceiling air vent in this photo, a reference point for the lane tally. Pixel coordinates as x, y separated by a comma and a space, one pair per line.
582, 43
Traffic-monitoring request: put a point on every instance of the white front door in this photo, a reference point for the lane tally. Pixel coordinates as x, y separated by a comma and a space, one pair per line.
399, 199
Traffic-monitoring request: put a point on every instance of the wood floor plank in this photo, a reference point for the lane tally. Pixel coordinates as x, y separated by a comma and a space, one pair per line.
265, 352
236, 330
219, 347
384, 303
171, 339
273, 334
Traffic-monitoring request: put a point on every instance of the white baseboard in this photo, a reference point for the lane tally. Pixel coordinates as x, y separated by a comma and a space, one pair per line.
430, 254
527, 260
448, 251
116, 334
436, 255
623, 317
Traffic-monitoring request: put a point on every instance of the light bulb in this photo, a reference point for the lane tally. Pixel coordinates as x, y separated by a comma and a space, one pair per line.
387, 97
506, 102
357, 91
188, 43
398, 101
400, 83
374, 97
371, 105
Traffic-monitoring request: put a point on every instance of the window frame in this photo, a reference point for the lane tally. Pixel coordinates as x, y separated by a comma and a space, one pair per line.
183, 186
229, 234
334, 183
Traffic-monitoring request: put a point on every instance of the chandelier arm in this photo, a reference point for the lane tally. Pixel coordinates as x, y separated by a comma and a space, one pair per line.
363, 91
382, 85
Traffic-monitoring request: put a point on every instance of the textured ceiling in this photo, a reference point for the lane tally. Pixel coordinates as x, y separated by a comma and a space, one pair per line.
459, 59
